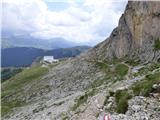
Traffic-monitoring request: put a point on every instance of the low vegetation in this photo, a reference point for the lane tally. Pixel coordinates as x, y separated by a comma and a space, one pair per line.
99, 82
83, 99
121, 70
103, 65
8, 106
114, 61
114, 70
145, 87
148, 68
64, 116
157, 44
14, 86
9, 72
118, 71
121, 98
132, 62
20, 80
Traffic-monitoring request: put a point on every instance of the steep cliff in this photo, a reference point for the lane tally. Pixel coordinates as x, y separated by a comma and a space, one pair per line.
135, 35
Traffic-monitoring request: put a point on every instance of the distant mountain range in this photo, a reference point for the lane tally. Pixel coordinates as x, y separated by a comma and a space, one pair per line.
25, 56
28, 41
5, 43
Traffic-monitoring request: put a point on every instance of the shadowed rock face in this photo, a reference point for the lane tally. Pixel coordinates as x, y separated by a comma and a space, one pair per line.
134, 37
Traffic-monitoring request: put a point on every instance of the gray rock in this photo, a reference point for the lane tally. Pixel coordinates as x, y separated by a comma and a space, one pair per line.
135, 35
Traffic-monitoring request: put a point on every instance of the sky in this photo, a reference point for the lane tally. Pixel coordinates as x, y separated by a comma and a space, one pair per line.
80, 21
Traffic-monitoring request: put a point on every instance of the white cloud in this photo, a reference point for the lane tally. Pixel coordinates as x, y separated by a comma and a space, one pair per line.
92, 21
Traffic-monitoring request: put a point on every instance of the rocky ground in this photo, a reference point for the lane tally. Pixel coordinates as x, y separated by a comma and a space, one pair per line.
99, 101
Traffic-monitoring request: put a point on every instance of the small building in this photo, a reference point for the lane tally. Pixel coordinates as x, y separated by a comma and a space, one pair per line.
49, 59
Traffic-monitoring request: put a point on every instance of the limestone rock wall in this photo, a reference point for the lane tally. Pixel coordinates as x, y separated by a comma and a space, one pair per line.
134, 37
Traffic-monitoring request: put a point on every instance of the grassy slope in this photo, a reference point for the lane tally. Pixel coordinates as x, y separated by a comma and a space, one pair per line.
7, 73
15, 85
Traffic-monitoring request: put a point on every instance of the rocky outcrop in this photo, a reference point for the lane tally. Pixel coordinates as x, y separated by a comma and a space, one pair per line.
140, 108
135, 35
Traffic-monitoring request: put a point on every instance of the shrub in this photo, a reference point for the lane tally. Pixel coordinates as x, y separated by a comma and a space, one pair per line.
106, 100
121, 98
81, 100
122, 106
111, 93
144, 87
157, 44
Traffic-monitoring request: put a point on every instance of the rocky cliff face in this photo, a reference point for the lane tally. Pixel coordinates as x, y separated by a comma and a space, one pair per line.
135, 35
